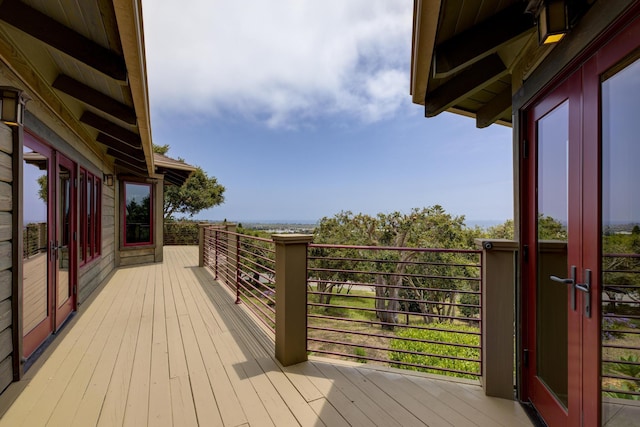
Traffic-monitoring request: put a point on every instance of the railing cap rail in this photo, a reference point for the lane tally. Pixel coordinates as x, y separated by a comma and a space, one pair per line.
288, 239
394, 248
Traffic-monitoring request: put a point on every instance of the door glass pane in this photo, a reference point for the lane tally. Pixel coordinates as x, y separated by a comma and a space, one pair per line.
552, 216
621, 247
64, 233
35, 239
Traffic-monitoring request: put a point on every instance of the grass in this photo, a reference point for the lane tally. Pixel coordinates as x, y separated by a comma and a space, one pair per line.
377, 343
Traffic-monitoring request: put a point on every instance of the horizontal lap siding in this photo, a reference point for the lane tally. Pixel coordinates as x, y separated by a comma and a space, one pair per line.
94, 273
6, 255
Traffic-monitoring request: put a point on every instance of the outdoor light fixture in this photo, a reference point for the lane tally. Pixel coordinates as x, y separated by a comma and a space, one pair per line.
553, 21
108, 179
12, 102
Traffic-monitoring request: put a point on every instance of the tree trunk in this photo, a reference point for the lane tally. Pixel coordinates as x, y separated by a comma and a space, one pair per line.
386, 308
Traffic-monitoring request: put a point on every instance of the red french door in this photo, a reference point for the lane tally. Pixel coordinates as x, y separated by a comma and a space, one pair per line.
581, 260
49, 257
554, 306
64, 256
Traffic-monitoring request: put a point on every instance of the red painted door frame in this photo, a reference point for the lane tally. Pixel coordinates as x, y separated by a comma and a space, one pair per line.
582, 88
37, 335
56, 315
62, 311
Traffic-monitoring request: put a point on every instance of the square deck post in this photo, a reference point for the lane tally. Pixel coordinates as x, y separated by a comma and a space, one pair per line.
201, 243
291, 297
498, 316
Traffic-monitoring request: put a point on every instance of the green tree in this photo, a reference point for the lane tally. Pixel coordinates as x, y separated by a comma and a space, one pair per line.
43, 191
198, 192
502, 231
397, 275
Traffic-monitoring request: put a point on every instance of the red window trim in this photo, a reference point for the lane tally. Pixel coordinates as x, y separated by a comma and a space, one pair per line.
124, 215
90, 241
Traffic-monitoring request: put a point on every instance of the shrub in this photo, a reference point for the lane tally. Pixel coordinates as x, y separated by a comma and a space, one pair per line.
181, 233
440, 349
359, 351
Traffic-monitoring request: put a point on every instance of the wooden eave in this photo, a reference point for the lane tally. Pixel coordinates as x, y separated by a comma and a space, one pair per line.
463, 56
174, 171
83, 63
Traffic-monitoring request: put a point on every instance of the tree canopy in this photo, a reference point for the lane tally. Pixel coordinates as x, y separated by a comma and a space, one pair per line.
199, 192
400, 275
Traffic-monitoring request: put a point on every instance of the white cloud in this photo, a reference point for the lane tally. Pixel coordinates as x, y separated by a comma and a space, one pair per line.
280, 61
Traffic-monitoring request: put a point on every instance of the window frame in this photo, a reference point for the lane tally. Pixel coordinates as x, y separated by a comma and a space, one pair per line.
151, 187
90, 232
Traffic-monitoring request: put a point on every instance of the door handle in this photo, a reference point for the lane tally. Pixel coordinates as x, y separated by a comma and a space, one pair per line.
586, 288
569, 281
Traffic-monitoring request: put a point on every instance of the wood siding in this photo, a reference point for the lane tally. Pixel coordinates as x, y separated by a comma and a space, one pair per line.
94, 273
7, 241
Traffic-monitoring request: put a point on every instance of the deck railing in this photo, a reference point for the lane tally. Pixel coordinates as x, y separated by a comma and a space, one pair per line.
180, 233
34, 237
419, 309
245, 264
621, 325
411, 308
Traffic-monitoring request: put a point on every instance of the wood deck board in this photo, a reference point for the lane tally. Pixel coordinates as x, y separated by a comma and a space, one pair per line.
164, 344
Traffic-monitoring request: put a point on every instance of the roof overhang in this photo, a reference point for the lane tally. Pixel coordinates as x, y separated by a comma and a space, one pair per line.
84, 63
175, 172
463, 56
471, 57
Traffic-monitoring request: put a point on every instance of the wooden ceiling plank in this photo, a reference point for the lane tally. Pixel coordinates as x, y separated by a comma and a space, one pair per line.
481, 40
111, 129
94, 98
53, 33
475, 77
494, 109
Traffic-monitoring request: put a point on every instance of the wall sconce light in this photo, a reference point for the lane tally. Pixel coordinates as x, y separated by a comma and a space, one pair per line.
553, 21
12, 103
108, 179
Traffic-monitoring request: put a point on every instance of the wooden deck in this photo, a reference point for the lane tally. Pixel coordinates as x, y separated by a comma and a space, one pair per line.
164, 344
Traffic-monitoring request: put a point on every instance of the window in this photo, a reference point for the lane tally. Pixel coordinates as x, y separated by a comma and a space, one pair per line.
138, 224
90, 213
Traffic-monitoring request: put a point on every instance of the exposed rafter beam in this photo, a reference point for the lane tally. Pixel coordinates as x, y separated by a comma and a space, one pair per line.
53, 33
173, 177
131, 167
494, 109
481, 40
120, 147
132, 160
113, 130
94, 98
474, 78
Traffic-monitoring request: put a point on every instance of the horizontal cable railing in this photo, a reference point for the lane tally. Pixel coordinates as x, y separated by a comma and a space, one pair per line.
621, 325
34, 236
410, 308
180, 233
245, 264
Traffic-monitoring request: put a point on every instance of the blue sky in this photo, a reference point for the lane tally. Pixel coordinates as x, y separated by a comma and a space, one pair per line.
302, 109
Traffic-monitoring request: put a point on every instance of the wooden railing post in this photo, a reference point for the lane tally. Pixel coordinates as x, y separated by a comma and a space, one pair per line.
291, 297
201, 243
498, 316
232, 255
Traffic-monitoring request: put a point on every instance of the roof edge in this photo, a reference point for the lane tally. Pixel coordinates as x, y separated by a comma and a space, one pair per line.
130, 27
425, 25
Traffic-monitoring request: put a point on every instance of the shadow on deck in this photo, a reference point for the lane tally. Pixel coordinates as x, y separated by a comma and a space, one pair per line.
164, 344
